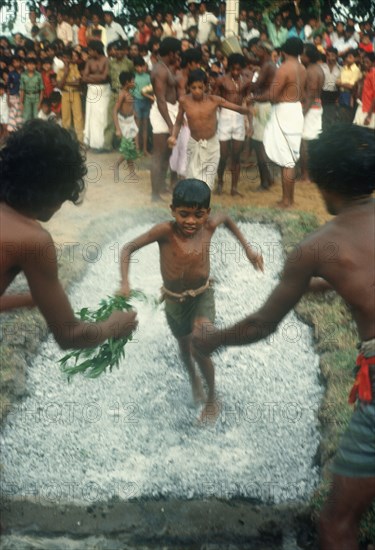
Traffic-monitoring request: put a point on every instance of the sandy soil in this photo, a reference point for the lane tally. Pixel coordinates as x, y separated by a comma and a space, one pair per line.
105, 195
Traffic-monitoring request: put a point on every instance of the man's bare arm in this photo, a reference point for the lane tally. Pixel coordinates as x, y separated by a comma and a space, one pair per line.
48, 294
177, 125
294, 283
160, 90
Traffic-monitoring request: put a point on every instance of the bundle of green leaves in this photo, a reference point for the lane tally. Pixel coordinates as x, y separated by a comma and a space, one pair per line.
93, 362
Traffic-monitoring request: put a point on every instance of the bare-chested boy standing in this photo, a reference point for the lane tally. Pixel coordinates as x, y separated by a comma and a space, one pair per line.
233, 86
342, 163
185, 267
201, 111
125, 124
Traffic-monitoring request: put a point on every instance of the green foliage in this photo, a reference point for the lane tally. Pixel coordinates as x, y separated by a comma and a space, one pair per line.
128, 149
95, 361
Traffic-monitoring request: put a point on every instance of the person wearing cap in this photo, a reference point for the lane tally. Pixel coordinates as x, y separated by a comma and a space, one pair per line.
190, 19
117, 64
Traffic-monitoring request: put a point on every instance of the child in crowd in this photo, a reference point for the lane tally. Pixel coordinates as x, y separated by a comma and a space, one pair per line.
13, 89
41, 167
68, 80
46, 76
31, 90
185, 268
46, 112
201, 111
126, 127
142, 104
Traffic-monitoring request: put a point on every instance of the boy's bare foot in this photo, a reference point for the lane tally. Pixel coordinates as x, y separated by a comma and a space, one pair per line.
282, 204
210, 412
261, 188
236, 193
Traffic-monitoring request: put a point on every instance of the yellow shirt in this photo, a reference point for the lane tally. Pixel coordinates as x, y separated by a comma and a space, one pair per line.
73, 74
350, 75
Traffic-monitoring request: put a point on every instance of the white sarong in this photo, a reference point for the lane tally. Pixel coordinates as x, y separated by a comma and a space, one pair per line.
312, 125
231, 125
128, 126
283, 133
159, 126
97, 100
203, 159
262, 113
178, 159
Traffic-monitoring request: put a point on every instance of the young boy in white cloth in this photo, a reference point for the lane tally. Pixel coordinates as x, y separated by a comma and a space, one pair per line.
126, 127
201, 112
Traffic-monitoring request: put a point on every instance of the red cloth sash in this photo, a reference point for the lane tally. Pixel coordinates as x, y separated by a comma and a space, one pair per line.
362, 385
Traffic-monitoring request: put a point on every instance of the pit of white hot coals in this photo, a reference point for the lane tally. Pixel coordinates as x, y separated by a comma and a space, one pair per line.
132, 433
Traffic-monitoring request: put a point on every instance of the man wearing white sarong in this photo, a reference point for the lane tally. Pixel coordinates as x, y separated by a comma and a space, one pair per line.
163, 112
283, 132
95, 75
312, 107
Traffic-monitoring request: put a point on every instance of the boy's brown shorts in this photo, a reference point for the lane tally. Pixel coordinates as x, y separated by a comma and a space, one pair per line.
181, 315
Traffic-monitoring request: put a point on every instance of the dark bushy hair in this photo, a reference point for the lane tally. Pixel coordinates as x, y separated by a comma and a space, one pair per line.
236, 59
126, 76
169, 45
342, 159
197, 76
293, 46
41, 165
97, 46
191, 193
312, 52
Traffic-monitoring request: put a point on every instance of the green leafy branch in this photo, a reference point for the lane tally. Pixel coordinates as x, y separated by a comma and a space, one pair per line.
93, 362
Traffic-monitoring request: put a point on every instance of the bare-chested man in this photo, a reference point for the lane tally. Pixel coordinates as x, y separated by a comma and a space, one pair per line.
95, 74
262, 110
346, 188
163, 112
283, 132
233, 87
201, 112
312, 105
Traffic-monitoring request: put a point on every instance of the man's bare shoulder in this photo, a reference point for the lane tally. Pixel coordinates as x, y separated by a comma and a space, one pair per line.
159, 70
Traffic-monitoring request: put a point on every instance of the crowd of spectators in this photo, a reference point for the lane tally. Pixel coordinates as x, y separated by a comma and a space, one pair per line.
46, 70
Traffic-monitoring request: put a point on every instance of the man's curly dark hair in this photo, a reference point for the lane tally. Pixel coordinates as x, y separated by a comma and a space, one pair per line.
342, 159
41, 165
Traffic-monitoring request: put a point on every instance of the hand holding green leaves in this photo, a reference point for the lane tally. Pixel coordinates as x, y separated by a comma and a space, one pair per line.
117, 312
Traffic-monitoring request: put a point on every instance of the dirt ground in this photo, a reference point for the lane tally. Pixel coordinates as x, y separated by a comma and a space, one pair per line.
105, 195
